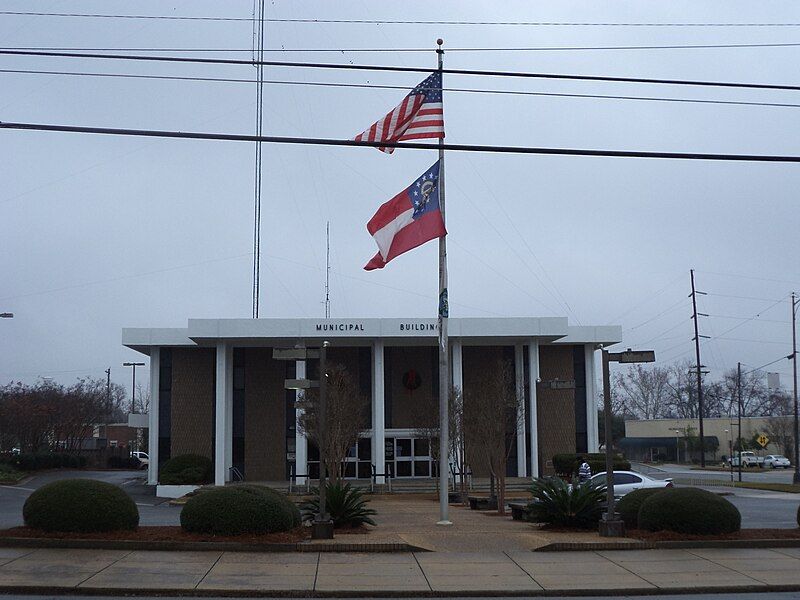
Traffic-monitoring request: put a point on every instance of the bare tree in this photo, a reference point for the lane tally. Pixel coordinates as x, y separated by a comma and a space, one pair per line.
426, 419
347, 417
643, 390
492, 414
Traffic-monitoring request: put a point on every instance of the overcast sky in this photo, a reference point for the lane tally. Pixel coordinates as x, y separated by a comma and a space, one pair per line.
99, 233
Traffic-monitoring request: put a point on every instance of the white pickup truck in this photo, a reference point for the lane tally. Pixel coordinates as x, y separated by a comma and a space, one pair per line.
749, 459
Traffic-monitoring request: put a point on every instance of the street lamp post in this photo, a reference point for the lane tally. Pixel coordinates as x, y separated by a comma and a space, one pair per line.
133, 383
677, 446
611, 525
793, 358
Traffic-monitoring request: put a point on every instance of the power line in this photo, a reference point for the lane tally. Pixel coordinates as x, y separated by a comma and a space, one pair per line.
455, 49
765, 365
395, 22
393, 87
398, 69
410, 145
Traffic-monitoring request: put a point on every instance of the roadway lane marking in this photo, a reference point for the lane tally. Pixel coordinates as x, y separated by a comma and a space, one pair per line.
14, 487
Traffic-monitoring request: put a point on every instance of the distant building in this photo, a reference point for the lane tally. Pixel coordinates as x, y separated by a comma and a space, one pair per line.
656, 439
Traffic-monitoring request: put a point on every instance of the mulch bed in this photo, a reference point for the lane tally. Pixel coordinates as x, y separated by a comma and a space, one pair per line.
744, 534
162, 534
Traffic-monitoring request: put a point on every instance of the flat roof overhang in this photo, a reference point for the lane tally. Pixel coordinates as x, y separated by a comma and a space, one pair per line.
358, 332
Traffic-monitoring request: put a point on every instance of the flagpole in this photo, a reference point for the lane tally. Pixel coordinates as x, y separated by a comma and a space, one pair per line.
444, 362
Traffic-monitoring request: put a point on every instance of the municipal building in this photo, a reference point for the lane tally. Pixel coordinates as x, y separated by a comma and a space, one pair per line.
216, 390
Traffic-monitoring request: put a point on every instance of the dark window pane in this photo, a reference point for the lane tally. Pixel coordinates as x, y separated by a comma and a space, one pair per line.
365, 449
422, 468
421, 447
350, 470
404, 447
364, 470
389, 449
404, 468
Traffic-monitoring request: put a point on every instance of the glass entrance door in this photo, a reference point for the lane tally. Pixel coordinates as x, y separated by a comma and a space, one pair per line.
412, 457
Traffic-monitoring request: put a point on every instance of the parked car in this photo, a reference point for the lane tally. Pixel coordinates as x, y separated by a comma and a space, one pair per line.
749, 459
776, 461
627, 481
143, 458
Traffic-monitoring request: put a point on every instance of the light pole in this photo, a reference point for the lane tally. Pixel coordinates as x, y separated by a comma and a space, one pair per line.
677, 446
793, 358
611, 525
322, 527
133, 384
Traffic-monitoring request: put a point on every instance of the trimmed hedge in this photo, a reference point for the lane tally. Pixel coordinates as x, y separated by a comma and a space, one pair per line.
80, 505
689, 510
186, 469
629, 505
566, 465
48, 460
239, 509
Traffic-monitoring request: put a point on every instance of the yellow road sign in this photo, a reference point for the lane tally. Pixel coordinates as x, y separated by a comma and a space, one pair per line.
762, 440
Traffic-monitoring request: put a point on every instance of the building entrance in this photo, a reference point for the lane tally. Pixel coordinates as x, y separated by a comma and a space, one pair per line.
408, 457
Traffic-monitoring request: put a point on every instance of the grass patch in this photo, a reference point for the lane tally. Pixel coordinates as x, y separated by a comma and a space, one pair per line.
769, 487
9, 475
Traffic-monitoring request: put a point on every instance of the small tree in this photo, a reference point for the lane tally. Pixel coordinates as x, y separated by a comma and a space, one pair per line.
493, 413
346, 419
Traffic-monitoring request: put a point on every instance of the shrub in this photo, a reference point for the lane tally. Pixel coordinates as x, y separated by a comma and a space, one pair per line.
124, 462
186, 469
689, 510
566, 465
556, 502
80, 505
345, 504
238, 509
629, 505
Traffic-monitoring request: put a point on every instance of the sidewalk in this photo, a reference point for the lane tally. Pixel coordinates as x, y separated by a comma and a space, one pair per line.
425, 573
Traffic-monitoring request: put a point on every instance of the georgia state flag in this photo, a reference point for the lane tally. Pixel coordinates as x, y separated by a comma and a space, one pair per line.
408, 220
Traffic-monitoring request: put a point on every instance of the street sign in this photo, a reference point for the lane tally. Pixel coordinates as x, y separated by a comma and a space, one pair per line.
762, 440
294, 353
633, 356
300, 384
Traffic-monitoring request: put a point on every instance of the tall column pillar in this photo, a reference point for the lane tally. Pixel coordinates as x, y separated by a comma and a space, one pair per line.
519, 372
152, 418
592, 439
533, 376
378, 410
223, 450
457, 352
300, 440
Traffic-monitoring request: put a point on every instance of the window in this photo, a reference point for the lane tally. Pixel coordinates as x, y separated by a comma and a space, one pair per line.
626, 478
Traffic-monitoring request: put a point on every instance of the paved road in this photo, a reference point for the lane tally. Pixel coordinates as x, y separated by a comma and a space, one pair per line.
755, 474
152, 510
759, 596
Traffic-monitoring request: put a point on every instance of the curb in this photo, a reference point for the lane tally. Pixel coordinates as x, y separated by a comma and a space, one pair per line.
212, 546
250, 593
666, 544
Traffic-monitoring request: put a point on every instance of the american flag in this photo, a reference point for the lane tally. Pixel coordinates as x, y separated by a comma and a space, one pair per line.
420, 115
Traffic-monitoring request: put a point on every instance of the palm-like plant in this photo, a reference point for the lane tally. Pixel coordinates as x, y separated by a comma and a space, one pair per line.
345, 504
556, 502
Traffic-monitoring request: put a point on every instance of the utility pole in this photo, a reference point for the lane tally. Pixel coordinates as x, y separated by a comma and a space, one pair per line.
108, 395
328, 270
793, 358
697, 337
258, 60
739, 395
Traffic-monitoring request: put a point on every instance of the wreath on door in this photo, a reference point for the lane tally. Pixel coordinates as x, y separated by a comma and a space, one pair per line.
411, 380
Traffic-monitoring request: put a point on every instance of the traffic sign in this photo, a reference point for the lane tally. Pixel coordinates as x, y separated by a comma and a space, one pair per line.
762, 440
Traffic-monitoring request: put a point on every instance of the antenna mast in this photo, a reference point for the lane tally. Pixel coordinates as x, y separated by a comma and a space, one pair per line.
328, 270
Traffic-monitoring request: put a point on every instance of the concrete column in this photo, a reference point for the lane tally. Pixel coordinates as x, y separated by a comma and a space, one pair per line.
223, 450
533, 376
519, 371
378, 410
152, 418
592, 438
457, 353
300, 440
